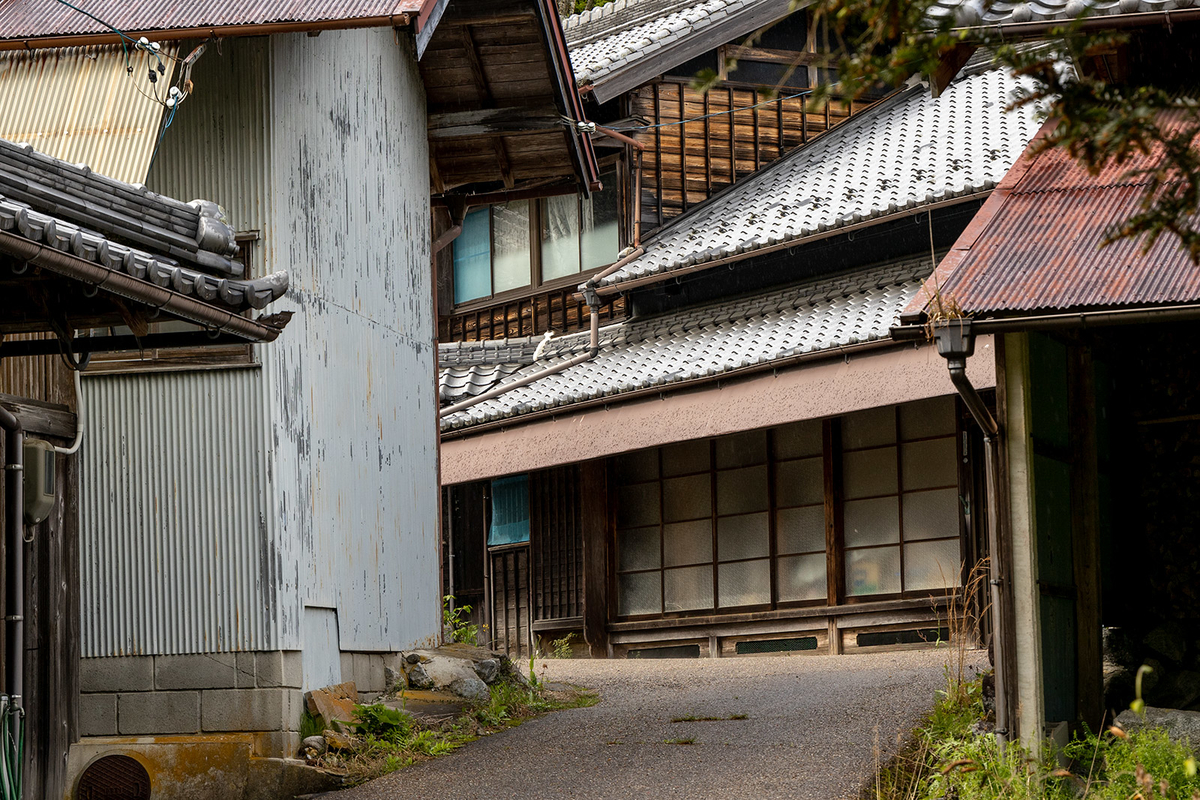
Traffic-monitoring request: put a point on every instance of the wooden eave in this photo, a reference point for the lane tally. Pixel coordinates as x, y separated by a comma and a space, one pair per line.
500, 104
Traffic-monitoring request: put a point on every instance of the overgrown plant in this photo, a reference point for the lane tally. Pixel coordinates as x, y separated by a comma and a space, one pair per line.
561, 648
457, 620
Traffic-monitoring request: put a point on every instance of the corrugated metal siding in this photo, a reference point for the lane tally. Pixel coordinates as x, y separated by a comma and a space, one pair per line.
216, 148
1040, 245
32, 18
79, 104
351, 385
173, 548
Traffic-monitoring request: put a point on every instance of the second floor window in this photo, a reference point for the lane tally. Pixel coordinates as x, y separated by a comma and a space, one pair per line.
524, 244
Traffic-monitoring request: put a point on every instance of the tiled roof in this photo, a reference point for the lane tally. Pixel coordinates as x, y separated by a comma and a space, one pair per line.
972, 13
185, 247
669, 349
610, 39
910, 151
1036, 244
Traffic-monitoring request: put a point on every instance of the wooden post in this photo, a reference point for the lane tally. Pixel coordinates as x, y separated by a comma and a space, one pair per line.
1085, 537
835, 580
593, 507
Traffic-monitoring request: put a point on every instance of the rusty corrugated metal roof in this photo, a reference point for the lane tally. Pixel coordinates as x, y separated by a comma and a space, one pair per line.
31, 19
1035, 244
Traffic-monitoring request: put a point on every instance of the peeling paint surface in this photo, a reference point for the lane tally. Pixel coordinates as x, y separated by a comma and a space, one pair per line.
217, 505
354, 414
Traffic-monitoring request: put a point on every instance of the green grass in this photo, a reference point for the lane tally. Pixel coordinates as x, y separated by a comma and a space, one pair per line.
690, 718
945, 758
684, 740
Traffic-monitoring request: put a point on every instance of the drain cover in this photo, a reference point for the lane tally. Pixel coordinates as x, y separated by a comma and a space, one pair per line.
114, 778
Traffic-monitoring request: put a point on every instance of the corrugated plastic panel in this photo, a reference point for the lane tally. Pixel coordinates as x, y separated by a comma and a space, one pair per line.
79, 104
32, 18
1040, 247
173, 550
352, 386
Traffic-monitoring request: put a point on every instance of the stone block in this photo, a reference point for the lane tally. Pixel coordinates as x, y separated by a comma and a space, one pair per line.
119, 674
244, 710
368, 672
347, 666
279, 669
246, 671
98, 715
197, 671
334, 704
143, 713
294, 710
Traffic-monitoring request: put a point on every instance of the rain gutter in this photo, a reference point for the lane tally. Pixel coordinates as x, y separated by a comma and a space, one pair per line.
956, 343
401, 20
14, 558
1077, 319
216, 319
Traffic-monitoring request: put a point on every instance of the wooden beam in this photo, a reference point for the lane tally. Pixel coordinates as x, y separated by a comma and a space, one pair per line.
494, 122
952, 61
46, 419
593, 490
791, 58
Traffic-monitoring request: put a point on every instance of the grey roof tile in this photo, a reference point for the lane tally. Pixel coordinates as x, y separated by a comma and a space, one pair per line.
686, 345
970, 13
908, 152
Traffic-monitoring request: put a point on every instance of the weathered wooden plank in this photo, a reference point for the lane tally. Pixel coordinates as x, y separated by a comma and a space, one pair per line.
44, 419
594, 515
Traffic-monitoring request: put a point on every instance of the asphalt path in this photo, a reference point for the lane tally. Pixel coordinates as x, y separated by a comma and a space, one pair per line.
814, 727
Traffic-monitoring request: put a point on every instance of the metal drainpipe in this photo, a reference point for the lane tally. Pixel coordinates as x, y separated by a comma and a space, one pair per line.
14, 546
956, 343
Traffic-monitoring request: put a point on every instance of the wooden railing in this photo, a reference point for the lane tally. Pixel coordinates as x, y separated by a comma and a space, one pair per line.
532, 315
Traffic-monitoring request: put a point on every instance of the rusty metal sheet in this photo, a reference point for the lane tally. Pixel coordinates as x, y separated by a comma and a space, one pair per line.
22, 19
1038, 247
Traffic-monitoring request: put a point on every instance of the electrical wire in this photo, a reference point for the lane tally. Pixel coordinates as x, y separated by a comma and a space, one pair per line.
161, 134
713, 114
137, 44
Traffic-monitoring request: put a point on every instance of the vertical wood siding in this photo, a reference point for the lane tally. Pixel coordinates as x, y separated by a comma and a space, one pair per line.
557, 540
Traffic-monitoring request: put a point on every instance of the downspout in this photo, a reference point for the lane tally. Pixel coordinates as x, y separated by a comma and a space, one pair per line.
956, 343
14, 557
593, 302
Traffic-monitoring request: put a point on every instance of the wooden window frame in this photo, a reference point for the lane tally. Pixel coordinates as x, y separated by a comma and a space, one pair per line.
833, 505
184, 359
536, 285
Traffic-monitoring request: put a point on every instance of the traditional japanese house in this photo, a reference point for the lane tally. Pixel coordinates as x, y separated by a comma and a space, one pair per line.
255, 522
80, 252
745, 463
1094, 420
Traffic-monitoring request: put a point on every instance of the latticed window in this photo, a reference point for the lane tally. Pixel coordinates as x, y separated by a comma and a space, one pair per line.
743, 521
510, 511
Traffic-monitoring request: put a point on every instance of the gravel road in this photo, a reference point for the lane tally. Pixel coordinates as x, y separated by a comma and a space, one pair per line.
811, 728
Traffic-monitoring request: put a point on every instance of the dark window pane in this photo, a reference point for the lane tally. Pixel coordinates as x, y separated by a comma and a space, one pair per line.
473, 258
641, 465
510, 511
637, 548
868, 473
637, 505
930, 463
745, 536
742, 490
686, 457
688, 542
930, 515
869, 428
688, 589
742, 449
799, 483
639, 593
687, 498
924, 418
799, 439
800, 530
